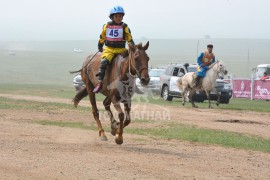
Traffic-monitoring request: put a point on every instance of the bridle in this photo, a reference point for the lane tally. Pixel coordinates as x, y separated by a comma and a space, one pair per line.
131, 59
220, 69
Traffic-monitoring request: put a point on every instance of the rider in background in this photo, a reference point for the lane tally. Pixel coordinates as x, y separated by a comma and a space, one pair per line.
205, 59
264, 77
114, 35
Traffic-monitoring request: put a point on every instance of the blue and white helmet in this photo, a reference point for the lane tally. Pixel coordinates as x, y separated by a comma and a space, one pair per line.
116, 10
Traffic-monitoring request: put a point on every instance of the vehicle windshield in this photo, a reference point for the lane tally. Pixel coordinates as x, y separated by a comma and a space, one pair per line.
261, 70
156, 72
192, 69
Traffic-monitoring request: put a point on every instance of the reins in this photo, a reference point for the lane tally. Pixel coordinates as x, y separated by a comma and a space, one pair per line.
130, 59
212, 65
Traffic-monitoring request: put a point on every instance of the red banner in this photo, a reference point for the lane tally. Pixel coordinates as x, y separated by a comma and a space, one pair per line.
262, 89
241, 88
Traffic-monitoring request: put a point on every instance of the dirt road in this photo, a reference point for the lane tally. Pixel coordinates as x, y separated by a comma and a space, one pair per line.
32, 151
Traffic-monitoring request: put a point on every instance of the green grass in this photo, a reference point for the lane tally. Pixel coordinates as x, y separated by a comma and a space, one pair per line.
37, 67
247, 104
234, 104
38, 90
42, 90
79, 125
69, 93
6, 103
207, 136
186, 133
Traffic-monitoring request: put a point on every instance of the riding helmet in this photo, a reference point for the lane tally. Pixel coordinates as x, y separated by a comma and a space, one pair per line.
116, 10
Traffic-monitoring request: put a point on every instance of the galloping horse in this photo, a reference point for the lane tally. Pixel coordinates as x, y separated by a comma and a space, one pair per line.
118, 86
208, 83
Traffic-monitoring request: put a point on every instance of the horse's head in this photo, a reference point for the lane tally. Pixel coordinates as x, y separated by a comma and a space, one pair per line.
141, 62
220, 67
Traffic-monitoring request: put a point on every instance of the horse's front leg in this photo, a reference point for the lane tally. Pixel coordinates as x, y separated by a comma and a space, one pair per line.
121, 116
114, 124
208, 97
218, 98
95, 112
127, 112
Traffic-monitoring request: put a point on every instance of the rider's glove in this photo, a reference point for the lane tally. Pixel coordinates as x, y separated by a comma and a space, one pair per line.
131, 42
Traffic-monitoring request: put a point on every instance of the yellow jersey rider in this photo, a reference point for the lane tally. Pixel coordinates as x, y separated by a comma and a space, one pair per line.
114, 35
205, 59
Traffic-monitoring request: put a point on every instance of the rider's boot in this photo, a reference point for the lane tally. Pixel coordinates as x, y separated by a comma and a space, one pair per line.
101, 74
197, 80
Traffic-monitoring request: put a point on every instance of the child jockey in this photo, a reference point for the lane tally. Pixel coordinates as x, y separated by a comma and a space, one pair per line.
205, 59
114, 35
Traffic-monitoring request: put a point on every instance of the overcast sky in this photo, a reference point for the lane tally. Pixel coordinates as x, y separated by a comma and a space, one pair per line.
170, 19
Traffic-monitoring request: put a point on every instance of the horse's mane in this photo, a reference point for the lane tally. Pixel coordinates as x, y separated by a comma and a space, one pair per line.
126, 52
212, 65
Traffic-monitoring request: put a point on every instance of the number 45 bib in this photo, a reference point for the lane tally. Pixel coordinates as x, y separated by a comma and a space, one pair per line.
114, 33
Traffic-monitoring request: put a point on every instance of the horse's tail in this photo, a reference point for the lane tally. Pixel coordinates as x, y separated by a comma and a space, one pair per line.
179, 82
79, 96
72, 72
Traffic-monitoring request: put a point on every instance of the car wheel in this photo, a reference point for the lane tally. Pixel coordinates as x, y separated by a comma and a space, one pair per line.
225, 101
165, 94
201, 101
198, 99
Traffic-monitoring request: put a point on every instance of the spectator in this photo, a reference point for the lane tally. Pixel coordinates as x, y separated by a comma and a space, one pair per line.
264, 77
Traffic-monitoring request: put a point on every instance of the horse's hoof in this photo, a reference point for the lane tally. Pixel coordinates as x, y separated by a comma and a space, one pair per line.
113, 132
104, 138
102, 135
119, 140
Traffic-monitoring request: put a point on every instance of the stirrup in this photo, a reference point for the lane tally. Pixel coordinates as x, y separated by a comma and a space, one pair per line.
196, 84
98, 88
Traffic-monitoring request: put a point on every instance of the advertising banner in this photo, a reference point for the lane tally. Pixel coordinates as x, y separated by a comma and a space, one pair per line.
262, 89
241, 88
